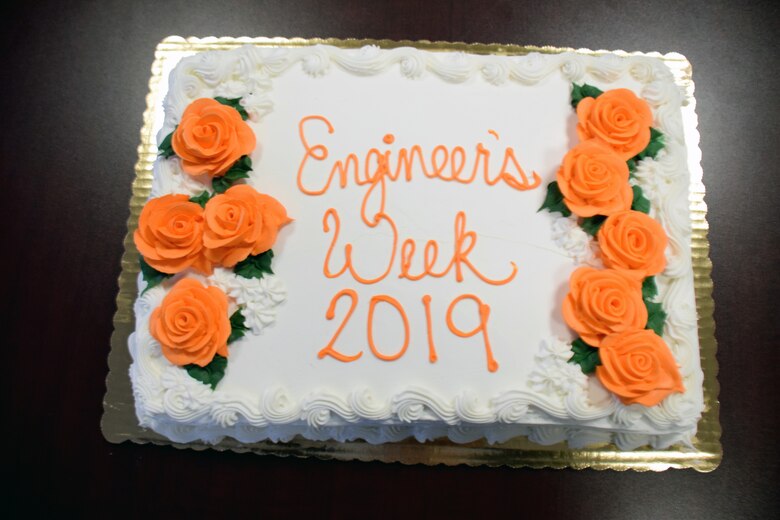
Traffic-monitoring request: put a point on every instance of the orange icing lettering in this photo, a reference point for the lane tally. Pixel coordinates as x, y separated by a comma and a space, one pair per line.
484, 315
462, 251
483, 155
374, 172
430, 254
392, 301
319, 152
464, 244
404, 161
337, 226
521, 185
331, 212
504, 175
437, 167
456, 165
377, 179
328, 350
432, 357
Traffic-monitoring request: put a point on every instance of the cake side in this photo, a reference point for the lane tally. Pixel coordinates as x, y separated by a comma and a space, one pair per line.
552, 401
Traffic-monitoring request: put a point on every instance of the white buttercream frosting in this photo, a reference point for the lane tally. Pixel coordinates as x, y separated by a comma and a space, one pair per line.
570, 237
168, 178
553, 402
258, 298
574, 67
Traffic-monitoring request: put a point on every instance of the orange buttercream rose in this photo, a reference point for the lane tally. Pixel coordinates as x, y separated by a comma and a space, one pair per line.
633, 240
170, 235
638, 367
192, 323
211, 137
241, 222
594, 180
602, 302
617, 118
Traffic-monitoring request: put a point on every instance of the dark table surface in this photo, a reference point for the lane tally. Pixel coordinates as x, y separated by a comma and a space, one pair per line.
74, 81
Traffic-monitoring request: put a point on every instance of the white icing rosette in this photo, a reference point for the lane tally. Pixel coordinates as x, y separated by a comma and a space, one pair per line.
412, 64
258, 298
570, 237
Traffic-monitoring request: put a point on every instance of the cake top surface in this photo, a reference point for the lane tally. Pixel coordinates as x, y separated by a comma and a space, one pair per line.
417, 280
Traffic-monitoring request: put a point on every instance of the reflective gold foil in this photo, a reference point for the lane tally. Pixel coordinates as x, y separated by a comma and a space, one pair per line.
119, 422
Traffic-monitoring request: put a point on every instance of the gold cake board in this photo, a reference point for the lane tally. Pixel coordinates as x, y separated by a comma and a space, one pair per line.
119, 422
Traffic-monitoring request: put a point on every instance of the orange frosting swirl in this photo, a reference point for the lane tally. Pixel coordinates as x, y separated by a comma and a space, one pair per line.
594, 180
617, 118
638, 367
633, 240
169, 235
602, 302
239, 223
192, 323
211, 137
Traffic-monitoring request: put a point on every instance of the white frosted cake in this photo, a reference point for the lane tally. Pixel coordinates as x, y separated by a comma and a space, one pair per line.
383, 243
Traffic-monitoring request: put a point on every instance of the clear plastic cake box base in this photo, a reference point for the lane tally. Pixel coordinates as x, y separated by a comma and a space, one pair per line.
119, 421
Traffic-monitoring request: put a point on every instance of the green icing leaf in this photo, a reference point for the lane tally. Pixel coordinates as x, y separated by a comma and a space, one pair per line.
165, 149
220, 184
235, 103
591, 225
649, 288
244, 163
631, 168
201, 199
585, 356
579, 92
653, 147
640, 203
656, 317
255, 266
237, 326
211, 374
553, 201
151, 276
239, 170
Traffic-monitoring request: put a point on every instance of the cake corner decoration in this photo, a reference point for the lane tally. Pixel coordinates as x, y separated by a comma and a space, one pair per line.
428, 294
234, 226
613, 311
